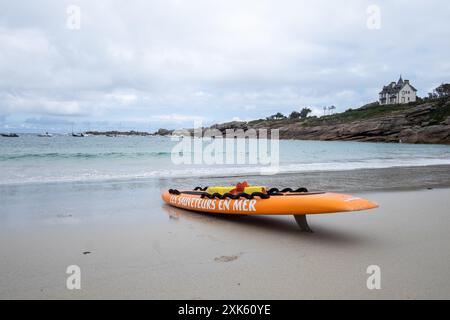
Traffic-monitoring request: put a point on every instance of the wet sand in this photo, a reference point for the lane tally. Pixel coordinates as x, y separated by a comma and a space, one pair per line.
130, 245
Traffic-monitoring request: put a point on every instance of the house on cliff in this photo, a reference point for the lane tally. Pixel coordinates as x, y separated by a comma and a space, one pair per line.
398, 93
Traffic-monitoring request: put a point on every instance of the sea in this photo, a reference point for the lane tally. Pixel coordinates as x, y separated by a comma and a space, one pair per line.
30, 159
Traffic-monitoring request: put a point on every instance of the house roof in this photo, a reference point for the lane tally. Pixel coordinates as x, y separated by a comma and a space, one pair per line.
395, 87
412, 87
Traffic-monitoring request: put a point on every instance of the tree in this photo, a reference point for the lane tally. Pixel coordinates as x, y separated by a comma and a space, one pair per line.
277, 116
331, 108
432, 95
440, 92
304, 112
294, 115
443, 90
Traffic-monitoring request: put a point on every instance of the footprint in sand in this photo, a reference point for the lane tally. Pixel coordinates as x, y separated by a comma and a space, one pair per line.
227, 258
63, 215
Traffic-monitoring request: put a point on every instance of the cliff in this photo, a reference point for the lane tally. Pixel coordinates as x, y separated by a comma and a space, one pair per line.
420, 122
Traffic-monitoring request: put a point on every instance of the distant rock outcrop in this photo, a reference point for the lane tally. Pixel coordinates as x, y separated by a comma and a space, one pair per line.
115, 133
163, 132
236, 125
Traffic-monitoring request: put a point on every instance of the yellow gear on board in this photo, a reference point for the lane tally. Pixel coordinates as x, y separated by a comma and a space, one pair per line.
222, 189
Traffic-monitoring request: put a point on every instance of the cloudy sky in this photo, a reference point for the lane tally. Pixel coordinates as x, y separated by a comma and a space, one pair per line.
149, 64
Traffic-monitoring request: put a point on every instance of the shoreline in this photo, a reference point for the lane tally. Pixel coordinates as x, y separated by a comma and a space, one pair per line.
410, 178
372, 179
147, 134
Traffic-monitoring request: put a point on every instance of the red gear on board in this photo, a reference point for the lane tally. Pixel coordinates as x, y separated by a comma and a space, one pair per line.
240, 187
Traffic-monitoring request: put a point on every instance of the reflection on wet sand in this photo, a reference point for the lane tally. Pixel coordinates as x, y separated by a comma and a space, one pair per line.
273, 225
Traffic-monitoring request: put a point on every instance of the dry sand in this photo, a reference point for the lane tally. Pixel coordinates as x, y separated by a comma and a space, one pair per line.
129, 245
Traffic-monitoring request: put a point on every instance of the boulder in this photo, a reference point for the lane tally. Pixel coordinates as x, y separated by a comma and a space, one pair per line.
164, 132
235, 125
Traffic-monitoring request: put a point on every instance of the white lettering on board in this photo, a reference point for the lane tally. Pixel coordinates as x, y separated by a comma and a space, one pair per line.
213, 204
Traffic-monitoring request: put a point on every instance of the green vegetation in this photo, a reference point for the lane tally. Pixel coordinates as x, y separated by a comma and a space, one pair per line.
357, 114
294, 115
374, 111
442, 91
255, 122
304, 113
300, 115
277, 116
439, 113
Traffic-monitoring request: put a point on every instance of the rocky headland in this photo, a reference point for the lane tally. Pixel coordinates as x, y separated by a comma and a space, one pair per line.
425, 121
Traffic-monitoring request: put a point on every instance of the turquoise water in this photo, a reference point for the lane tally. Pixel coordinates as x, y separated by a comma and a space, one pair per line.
30, 159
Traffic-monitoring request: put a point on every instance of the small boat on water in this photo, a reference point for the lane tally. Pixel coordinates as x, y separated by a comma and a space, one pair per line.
78, 135
9, 135
46, 135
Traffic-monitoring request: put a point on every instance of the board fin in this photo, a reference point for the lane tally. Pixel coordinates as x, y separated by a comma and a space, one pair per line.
302, 223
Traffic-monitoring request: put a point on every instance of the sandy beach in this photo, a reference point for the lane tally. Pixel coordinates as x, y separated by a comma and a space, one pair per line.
129, 244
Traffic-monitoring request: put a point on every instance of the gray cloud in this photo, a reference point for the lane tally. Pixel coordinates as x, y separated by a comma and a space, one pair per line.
153, 63
47, 121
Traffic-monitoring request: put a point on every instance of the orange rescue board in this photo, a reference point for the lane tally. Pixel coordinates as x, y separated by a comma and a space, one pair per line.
285, 204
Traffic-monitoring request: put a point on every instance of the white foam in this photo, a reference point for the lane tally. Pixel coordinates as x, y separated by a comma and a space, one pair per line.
36, 176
